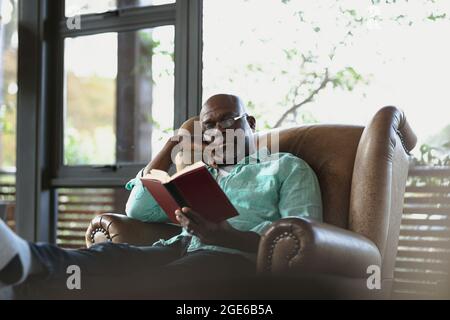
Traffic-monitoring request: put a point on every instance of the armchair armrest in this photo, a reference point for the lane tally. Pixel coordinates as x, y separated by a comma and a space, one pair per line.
300, 244
120, 228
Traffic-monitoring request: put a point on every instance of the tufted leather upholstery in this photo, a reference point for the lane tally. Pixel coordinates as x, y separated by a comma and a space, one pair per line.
119, 228
362, 174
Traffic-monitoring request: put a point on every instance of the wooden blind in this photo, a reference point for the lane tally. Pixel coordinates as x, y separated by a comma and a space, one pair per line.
422, 264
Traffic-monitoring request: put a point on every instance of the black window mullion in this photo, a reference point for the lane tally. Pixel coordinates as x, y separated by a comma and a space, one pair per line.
188, 60
96, 175
121, 20
35, 211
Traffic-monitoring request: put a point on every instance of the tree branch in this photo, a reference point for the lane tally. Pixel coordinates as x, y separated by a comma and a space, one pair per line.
295, 107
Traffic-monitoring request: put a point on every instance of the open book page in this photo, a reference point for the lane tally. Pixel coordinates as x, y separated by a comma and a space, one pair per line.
159, 175
164, 177
187, 169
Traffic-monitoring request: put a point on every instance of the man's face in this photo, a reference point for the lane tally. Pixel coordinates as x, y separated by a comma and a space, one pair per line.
233, 137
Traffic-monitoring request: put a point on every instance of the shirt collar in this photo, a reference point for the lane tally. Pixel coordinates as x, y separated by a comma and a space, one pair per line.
258, 156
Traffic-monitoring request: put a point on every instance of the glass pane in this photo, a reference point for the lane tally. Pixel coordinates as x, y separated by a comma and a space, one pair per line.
8, 107
77, 7
376, 53
119, 96
8, 84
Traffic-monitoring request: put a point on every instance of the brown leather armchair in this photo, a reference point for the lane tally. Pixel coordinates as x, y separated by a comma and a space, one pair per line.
362, 173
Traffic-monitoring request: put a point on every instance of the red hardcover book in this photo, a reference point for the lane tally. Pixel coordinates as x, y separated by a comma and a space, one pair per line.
192, 187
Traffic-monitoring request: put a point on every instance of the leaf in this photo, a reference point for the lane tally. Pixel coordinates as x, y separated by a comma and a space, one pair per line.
434, 17
290, 53
300, 15
347, 79
251, 105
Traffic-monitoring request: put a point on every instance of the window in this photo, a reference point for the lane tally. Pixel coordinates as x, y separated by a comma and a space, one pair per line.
8, 107
357, 56
120, 101
8, 84
115, 106
102, 86
118, 96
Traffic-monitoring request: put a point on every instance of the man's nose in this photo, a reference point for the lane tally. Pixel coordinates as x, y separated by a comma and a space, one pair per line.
220, 131
219, 127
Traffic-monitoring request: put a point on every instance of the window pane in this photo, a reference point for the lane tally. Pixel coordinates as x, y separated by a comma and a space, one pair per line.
8, 107
388, 53
76, 7
8, 84
119, 96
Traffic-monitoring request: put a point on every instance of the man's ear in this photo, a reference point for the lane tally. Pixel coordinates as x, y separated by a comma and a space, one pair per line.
251, 122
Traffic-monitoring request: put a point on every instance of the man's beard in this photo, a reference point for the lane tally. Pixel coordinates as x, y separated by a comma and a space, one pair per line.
233, 152
229, 147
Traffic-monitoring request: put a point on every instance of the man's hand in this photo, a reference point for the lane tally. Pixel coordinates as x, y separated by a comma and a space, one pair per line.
192, 151
208, 232
220, 234
163, 160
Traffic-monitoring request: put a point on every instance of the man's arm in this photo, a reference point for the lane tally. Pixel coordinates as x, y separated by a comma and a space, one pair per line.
163, 159
220, 234
141, 205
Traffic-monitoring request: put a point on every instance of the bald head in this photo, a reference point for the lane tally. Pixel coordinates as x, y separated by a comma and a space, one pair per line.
223, 106
224, 102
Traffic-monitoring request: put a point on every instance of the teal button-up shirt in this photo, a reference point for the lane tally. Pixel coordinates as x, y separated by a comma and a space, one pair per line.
263, 187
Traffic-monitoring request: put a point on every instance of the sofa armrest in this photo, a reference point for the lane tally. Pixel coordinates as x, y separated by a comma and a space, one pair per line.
120, 228
296, 244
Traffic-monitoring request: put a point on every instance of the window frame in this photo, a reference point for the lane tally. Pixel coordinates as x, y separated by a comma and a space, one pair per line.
40, 111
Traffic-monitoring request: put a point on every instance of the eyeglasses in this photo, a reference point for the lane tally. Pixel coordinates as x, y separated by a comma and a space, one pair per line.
224, 124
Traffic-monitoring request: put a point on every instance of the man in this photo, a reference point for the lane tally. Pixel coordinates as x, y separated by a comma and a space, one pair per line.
263, 187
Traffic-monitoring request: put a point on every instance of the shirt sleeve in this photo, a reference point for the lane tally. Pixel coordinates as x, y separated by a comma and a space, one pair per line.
300, 194
141, 205
262, 227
